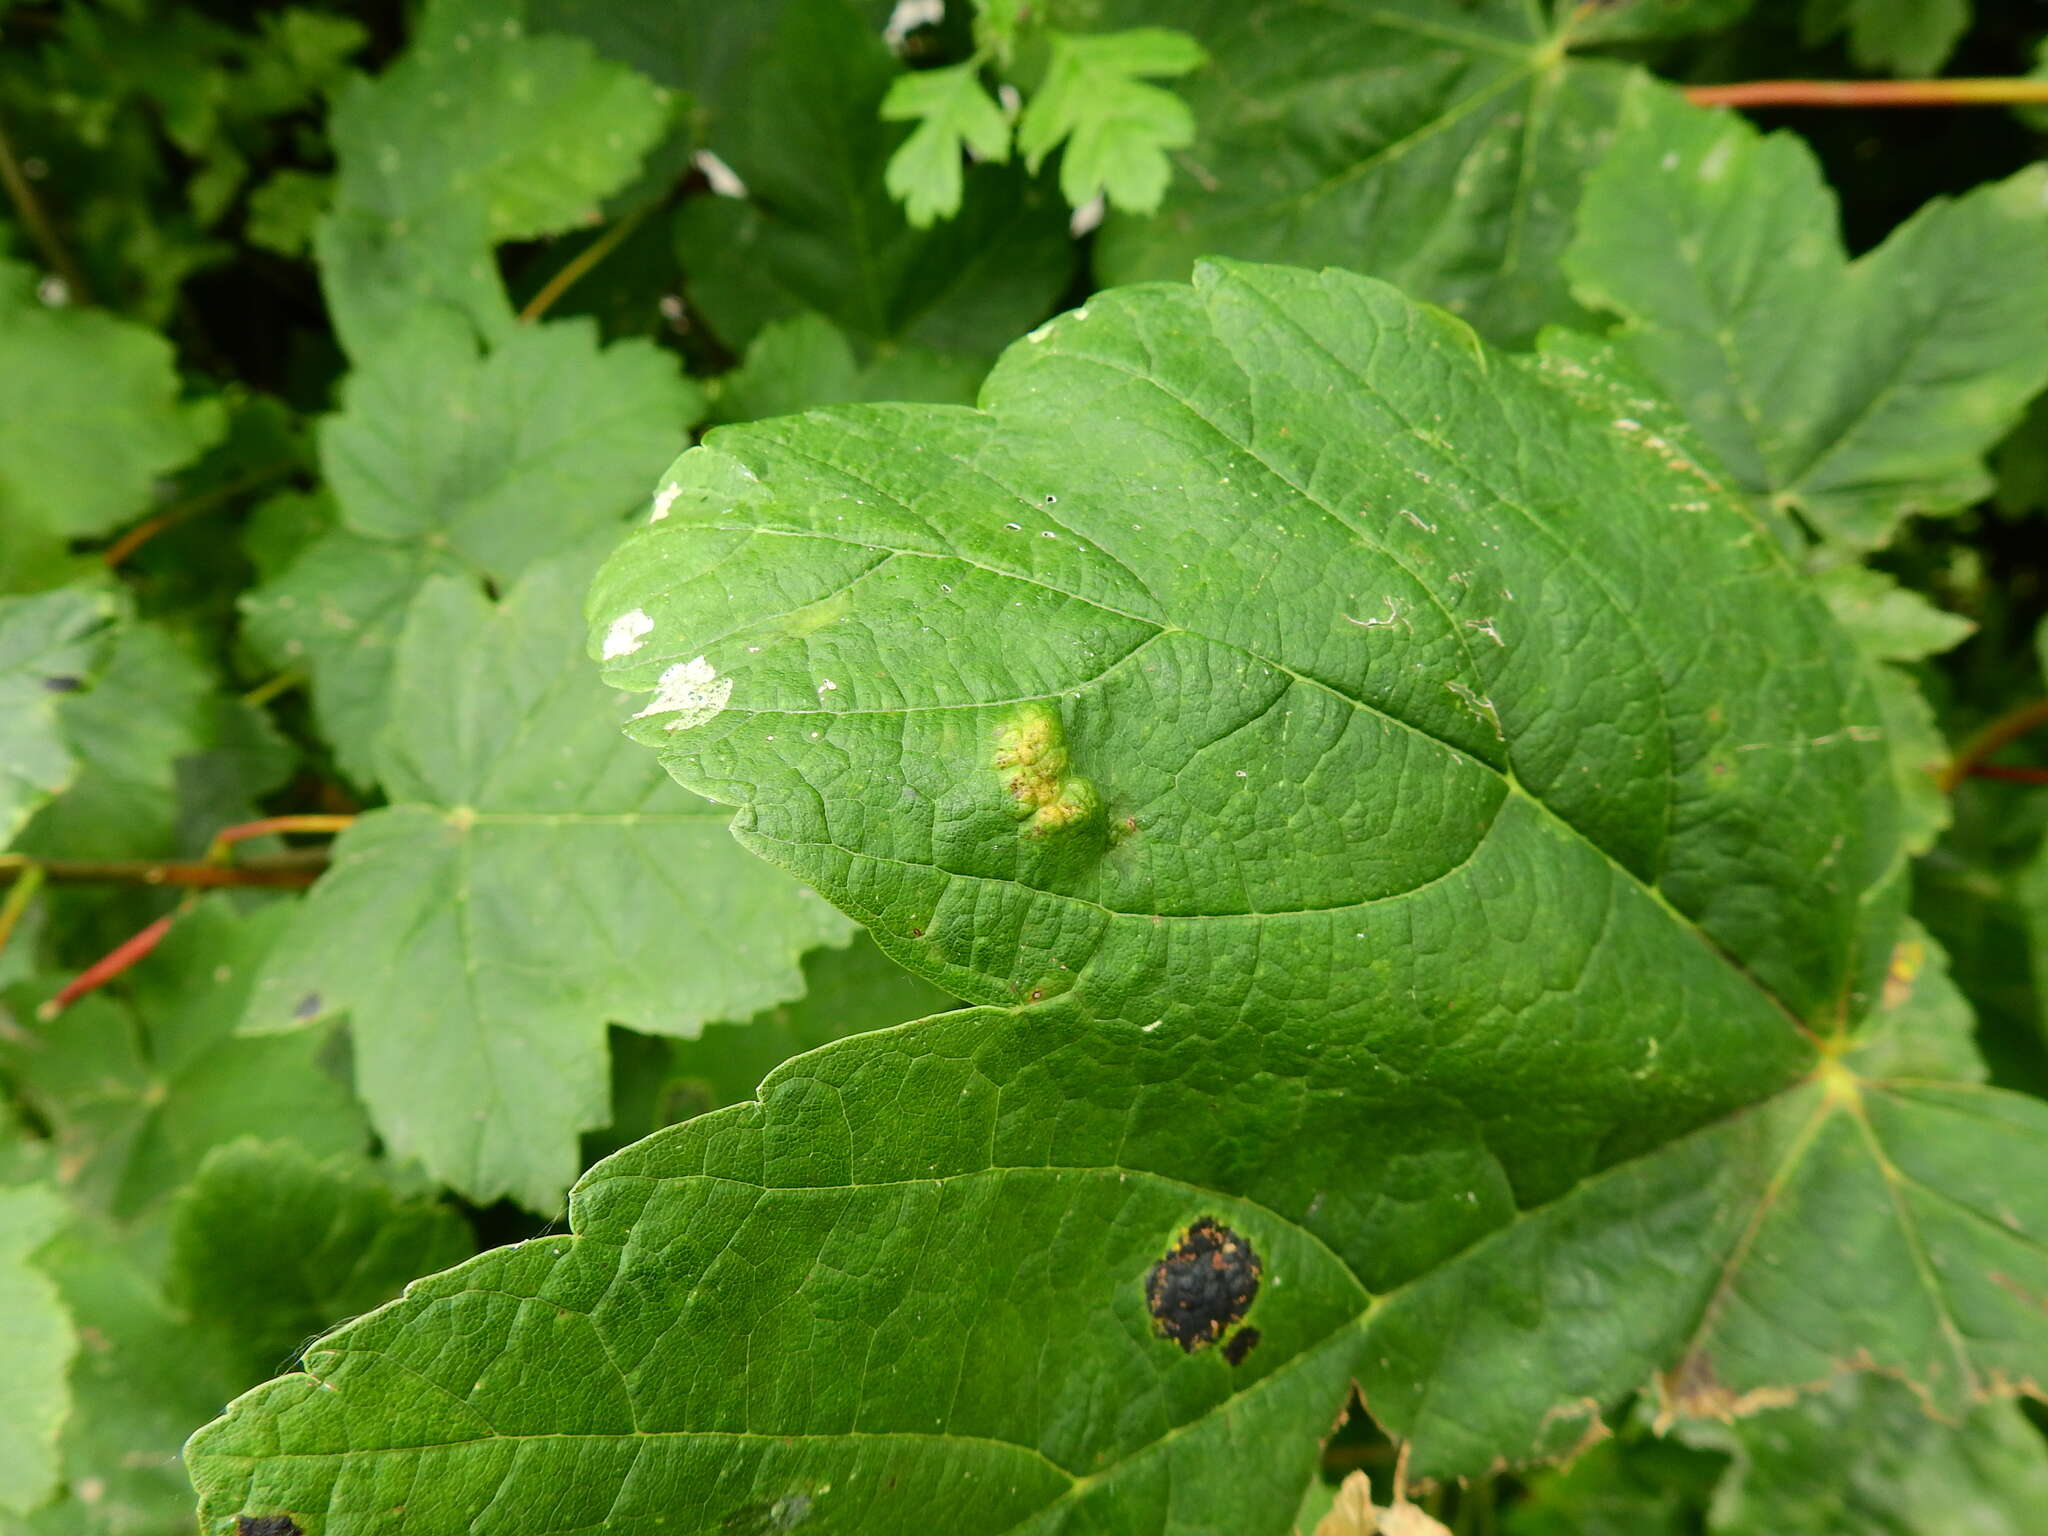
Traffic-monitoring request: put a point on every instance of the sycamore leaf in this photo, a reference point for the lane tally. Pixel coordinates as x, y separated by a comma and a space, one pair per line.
1271, 706
90, 417
818, 229
1633, 20
1115, 127
331, 1239
480, 134
953, 114
533, 879
1891, 625
50, 647
37, 1342
448, 459
155, 710
657, 1082
1906, 37
1441, 148
1853, 393
1862, 1458
136, 1096
806, 361
172, 1321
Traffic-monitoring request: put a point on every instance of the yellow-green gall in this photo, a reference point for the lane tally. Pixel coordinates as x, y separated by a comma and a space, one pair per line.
1031, 755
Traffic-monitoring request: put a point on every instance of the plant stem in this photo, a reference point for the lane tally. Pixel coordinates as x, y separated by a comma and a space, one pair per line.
19, 895
2008, 727
1871, 93
583, 261
191, 507
40, 229
295, 868
108, 966
268, 826
2010, 775
270, 688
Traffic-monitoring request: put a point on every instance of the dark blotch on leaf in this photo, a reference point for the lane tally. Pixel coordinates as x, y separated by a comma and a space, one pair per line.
61, 685
267, 1525
308, 1006
1240, 1345
1202, 1286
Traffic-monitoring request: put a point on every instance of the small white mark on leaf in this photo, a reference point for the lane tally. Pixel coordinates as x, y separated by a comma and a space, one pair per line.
723, 179
692, 691
827, 686
627, 634
663, 500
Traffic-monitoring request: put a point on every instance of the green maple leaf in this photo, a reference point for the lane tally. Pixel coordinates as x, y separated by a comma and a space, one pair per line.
1442, 148
171, 1322
806, 361
1854, 393
1892, 627
1116, 129
1906, 37
50, 646
160, 747
90, 418
136, 1096
1863, 1456
533, 878
449, 458
37, 1343
953, 114
480, 134
1271, 707
332, 1238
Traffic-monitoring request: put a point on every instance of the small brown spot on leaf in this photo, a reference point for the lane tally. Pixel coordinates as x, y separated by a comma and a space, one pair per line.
1205, 1283
1240, 1345
267, 1525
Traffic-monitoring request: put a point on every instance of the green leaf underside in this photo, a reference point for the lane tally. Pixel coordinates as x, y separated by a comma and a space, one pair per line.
136, 1098
1441, 149
446, 458
50, 646
38, 1341
480, 134
1490, 1172
1857, 393
89, 416
534, 878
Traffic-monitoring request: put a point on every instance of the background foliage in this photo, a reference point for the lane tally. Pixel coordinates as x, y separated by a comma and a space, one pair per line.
340, 344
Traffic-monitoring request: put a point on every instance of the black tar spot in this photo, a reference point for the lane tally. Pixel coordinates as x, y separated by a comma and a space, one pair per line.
1240, 1345
1202, 1286
267, 1525
61, 685
308, 1006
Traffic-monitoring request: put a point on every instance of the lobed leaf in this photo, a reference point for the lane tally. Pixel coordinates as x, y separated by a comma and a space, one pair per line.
447, 458
37, 1341
532, 879
1115, 128
50, 647
90, 417
480, 134
1854, 394
953, 115
1441, 148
